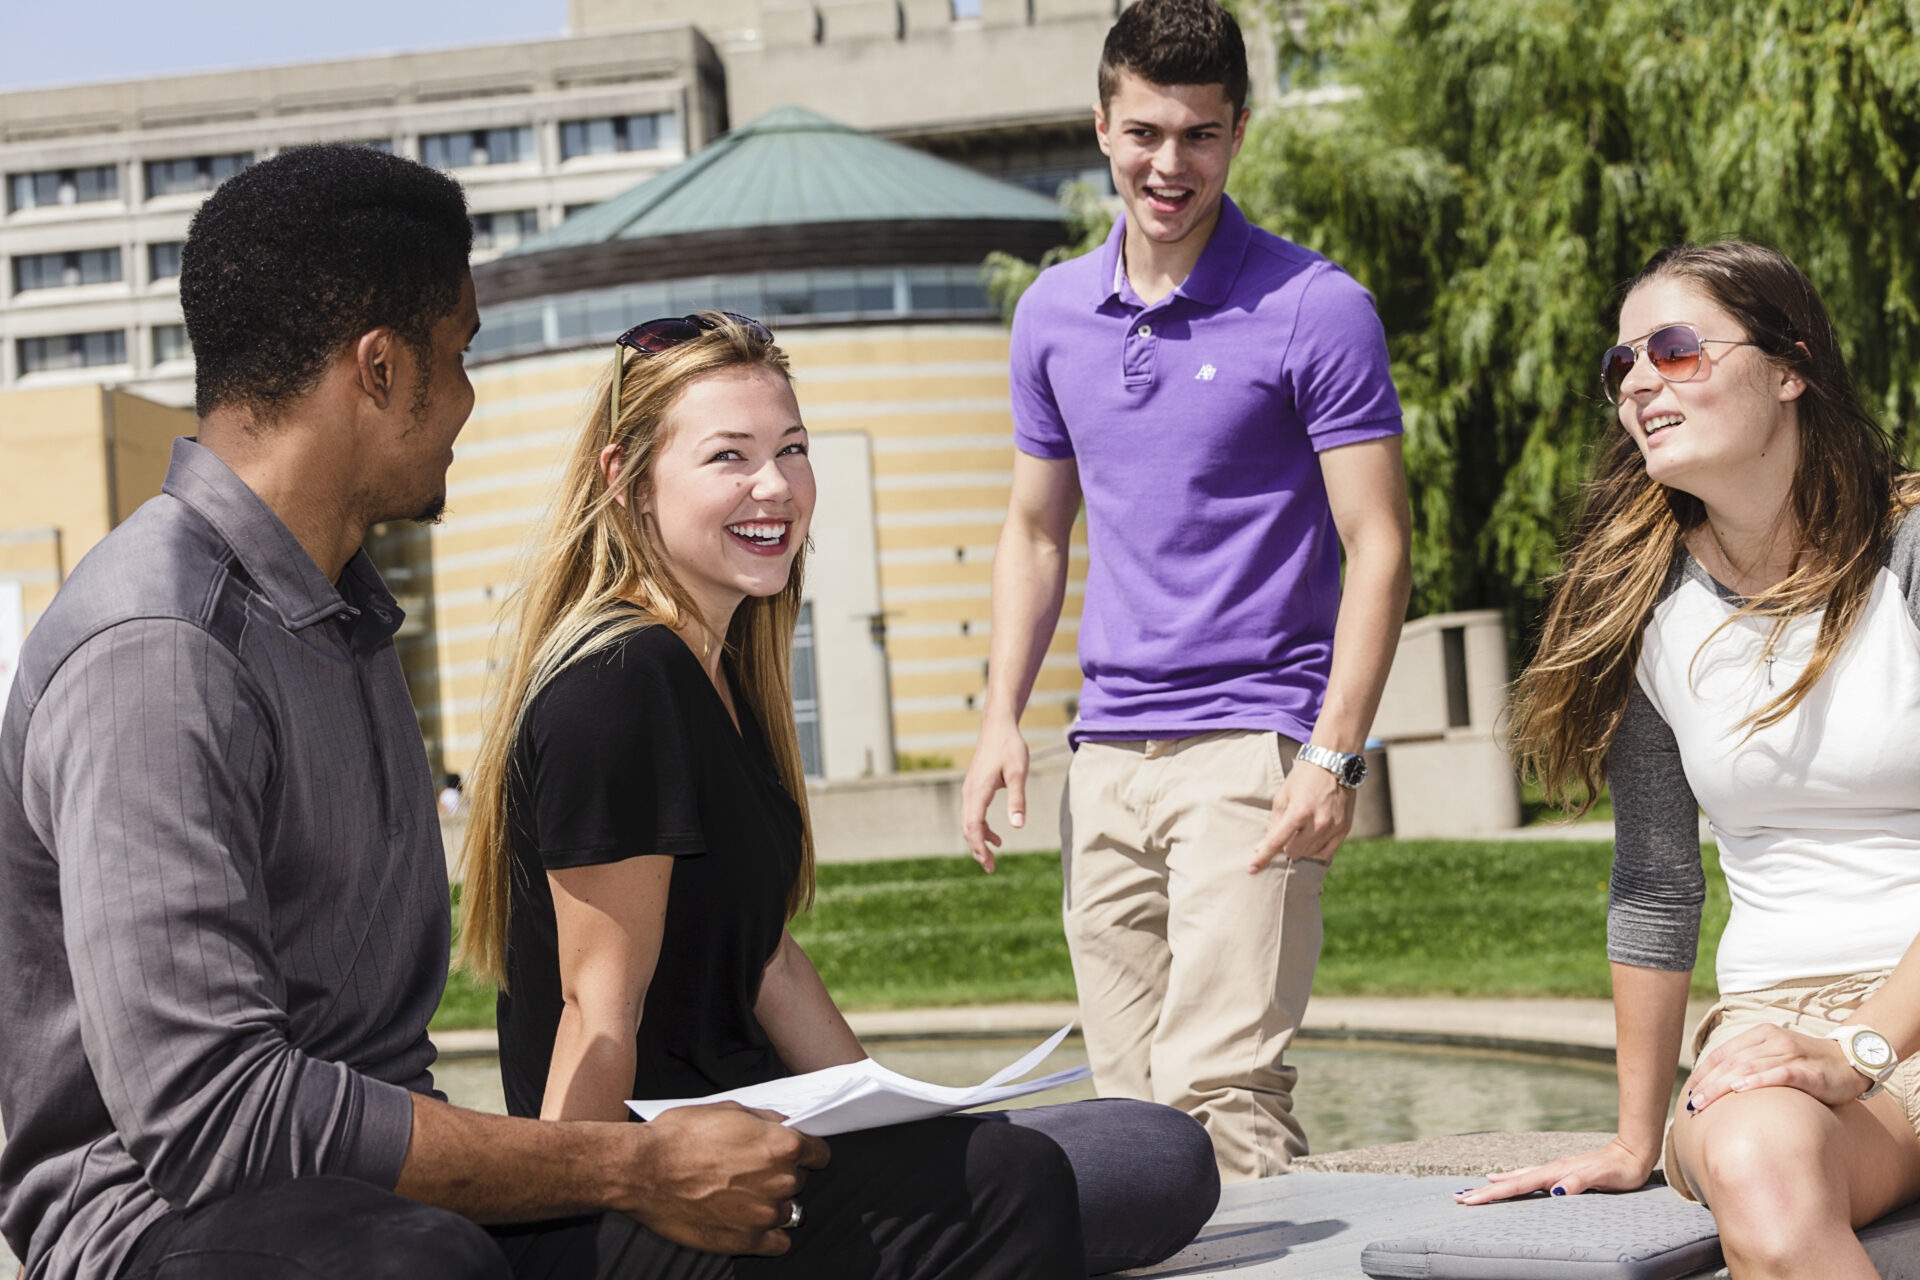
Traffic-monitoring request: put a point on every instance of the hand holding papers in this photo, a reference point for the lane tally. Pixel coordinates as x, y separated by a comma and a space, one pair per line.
865, 1095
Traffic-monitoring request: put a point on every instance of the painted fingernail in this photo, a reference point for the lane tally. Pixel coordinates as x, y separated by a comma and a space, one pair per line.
1689, 1104
1559, 1191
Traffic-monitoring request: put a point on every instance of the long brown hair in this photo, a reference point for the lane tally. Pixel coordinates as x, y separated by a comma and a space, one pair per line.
1846, 492
596, 575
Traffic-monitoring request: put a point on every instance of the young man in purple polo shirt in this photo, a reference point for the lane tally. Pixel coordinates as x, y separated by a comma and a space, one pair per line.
1220, 398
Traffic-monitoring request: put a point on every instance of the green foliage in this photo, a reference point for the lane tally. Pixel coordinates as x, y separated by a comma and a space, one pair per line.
1090, 216
1505, 165
1495, 170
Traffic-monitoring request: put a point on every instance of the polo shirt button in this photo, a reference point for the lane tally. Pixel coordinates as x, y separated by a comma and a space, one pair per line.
1145, 331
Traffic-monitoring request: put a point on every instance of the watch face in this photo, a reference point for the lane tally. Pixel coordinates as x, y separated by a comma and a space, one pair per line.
1872, 1049
1353, 770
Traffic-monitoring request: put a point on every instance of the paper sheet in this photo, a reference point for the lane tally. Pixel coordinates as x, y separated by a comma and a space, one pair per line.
865, 1095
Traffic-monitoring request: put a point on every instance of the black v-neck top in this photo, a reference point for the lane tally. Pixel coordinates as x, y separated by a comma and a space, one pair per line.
626, 753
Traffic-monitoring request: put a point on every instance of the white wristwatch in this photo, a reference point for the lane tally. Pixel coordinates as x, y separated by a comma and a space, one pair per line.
1869, 1053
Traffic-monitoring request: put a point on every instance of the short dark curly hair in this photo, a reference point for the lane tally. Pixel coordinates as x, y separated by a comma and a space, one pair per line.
292, 259
1169, 42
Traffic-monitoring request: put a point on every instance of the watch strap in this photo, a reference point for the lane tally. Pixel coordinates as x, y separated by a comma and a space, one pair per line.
1349, 770
1844, 1036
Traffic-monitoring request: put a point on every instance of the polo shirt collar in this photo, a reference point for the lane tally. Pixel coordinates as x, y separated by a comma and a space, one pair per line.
279, 566
1212, 278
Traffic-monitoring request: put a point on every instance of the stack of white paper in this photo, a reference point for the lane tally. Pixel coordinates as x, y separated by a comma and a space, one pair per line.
865, 1095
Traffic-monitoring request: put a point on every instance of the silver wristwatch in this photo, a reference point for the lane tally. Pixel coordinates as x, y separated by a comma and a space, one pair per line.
1869, 1053
1347, 770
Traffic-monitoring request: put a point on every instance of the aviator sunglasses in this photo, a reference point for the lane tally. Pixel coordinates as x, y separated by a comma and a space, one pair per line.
651, 337
1674, 351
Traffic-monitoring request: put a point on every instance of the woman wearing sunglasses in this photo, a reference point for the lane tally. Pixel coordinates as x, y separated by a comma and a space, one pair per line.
639, 841
1738, 628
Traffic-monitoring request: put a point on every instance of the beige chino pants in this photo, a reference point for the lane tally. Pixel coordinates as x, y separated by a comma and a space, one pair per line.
1193, 974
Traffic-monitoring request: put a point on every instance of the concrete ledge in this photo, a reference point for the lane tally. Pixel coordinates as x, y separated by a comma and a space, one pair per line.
1579, 1028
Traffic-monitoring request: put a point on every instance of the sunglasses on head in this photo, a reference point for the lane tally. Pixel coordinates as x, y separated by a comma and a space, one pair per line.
1673, 350
651, 337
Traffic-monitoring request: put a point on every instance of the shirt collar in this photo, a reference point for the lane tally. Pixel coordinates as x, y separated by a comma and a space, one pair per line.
279, 566
1213, 276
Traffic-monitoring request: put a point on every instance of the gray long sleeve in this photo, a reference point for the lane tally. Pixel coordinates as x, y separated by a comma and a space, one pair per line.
149, 766
1658, 885
223, 901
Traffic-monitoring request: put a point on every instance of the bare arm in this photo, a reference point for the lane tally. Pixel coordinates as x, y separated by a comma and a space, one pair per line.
801, 1019
609, 920
1367, 493
1649, 1018
714, 1178
1029, 584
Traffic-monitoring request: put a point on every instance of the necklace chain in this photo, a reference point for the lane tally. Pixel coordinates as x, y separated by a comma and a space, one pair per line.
1766, 654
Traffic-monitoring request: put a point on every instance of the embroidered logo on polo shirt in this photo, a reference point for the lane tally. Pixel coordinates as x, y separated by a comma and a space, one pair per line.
1206, 373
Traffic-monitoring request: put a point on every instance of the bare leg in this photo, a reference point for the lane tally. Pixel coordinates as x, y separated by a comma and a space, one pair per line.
1789, 1178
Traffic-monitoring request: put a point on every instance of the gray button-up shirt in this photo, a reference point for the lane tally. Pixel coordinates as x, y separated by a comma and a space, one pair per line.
223, 904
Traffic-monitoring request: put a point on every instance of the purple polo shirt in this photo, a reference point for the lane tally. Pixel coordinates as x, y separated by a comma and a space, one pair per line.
1195, 425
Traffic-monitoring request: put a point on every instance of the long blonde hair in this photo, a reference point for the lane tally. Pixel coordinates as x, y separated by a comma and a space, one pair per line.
1846, 493
597, 575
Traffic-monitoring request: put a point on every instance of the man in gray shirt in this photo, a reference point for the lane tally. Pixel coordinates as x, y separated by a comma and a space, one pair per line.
223, 903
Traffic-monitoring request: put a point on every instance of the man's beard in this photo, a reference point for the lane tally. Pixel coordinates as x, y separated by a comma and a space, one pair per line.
431, 513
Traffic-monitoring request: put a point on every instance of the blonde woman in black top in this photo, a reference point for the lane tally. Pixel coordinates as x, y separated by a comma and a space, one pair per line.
639, 841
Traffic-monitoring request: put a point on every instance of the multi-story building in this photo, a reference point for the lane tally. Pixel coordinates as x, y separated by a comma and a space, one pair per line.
100, 181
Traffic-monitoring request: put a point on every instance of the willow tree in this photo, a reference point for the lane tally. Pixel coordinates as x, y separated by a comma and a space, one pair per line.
1494, 170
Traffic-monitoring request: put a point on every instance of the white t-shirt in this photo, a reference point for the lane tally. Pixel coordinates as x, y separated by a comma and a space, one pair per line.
1817, 817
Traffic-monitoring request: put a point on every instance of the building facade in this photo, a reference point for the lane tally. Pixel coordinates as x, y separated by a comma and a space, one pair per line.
101, 181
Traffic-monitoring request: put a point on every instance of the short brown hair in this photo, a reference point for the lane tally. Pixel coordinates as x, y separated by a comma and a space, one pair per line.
1168, 42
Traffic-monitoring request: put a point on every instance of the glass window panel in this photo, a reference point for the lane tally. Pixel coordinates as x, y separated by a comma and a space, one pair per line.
645, 302
738, 294
63, 186
666, 129
607, 314
835, 293
191, 174
787, 293
643, 132
73, 351
963, 9
447, 150
571, 323
875, 291
968, 293
164, 259
806, 705
100, 266
927, 287
170, 343
573, 139
691, 295
509, 146
504, 230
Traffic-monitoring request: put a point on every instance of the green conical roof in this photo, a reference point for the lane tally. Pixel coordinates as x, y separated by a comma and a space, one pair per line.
791, 167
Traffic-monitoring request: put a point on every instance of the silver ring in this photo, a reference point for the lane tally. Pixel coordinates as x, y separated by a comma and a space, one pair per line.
795, 1216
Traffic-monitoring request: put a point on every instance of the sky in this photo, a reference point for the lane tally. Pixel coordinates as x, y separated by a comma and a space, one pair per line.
46, 42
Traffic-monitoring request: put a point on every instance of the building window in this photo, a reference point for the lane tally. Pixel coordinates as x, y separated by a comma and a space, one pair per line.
605, 137
64, 186
504, 230
64, 270
806, 694
477, 147
164, 259
963, 9
73, 351
191, 175
170, 343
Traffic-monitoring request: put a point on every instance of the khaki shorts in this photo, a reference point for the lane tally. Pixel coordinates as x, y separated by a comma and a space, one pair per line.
1812, 1006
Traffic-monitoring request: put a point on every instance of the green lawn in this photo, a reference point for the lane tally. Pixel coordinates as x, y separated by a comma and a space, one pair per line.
1522, 918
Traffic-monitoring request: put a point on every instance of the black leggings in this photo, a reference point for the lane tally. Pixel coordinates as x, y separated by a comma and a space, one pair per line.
950, 1199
